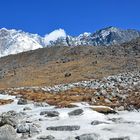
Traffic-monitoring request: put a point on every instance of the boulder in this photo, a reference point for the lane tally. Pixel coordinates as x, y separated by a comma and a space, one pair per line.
76, 112
3, 101
27, 128
34, 129
23, 128
104, 110
92, 136
11, 118
7, 132
64, 128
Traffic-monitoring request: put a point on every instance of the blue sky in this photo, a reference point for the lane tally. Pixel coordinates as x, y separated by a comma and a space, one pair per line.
74, 16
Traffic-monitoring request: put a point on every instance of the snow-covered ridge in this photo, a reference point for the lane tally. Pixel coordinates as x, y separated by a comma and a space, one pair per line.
15, 41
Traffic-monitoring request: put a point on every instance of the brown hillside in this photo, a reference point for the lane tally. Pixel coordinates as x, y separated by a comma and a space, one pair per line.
57, 65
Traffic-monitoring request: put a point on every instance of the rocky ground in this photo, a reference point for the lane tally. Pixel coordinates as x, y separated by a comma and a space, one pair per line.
103, 109
119, 91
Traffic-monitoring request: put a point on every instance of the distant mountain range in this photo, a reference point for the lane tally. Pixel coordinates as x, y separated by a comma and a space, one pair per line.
16, 41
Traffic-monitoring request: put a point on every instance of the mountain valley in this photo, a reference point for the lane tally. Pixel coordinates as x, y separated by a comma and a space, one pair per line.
70, 88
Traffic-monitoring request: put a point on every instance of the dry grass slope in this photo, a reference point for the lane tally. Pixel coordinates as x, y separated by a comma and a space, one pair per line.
50, 66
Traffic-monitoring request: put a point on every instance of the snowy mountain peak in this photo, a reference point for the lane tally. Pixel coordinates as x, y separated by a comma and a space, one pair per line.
53, 36
15, 41
85, 34
104, 37
112, 29
106, 31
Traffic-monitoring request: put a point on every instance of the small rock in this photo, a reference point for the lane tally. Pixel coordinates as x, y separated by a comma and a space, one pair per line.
107, 129
50, 137
121, 138
24, 136
50, 113
27, 108
40, 119
104, 93
107, 101
114, 94
96, 122
94, 62
70, 138
64, 128
67, 74
116, 120
40, 104
75, 112
121, 108
22, 101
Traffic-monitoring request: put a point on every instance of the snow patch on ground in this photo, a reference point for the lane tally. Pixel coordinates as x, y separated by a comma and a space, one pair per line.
106, 131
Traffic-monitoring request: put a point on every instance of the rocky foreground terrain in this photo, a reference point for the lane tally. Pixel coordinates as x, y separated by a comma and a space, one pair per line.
103, 109
71, 93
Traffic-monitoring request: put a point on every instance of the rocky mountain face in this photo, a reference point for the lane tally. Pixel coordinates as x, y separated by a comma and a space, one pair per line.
16, 41
104, 37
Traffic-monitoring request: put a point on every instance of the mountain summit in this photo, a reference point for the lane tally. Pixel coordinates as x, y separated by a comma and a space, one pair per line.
104, 37
16, 41
13, 41
112, 35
